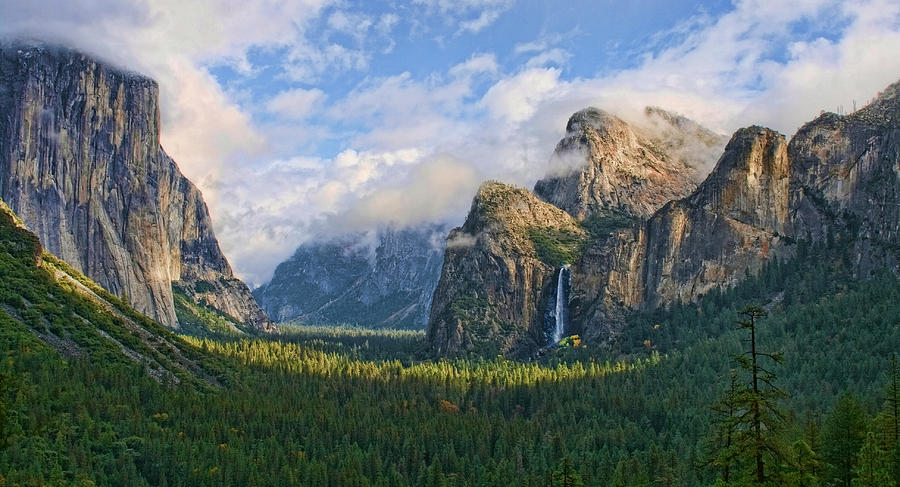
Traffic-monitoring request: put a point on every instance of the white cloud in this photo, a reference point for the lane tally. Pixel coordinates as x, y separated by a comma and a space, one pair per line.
462, 240
307, 62
399, 111
516, 98
354, 24
296, 104
555, 56
387, 22
428, 193
484, 63
486, 18
470, 15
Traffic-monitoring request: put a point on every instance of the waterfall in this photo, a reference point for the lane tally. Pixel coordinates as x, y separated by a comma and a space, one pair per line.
561, 312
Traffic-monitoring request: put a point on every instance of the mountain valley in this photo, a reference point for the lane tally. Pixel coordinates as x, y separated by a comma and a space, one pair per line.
602, 328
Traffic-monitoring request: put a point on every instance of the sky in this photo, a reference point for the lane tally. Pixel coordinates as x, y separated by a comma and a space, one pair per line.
308, 118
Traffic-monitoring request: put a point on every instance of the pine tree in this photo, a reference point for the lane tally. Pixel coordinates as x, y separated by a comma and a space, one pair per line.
722, 453
872, 469
759, 418
6, 390
843, 436
805, 465
892, 402
889, 418
565, 474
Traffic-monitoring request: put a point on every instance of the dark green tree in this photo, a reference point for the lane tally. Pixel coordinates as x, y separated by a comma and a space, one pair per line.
6, 390
843, 435
892, 403
630, 473
722, 453
804, 467
888, 421
759, 418
872, 468
565, 474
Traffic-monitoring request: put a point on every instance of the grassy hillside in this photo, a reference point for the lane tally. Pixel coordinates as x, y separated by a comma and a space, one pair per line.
91, 393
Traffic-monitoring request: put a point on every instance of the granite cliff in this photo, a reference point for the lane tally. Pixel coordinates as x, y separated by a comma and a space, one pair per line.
498, 287
837, 179
81, 163
730, 225
387, 282
846, 182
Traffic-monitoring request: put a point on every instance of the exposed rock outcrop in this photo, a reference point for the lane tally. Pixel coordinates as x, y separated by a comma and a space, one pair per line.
604, 173
385, 280
494, 283
606, 166
80, 162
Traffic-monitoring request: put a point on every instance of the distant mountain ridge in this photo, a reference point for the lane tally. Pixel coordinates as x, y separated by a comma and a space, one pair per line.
81, 164
381, 281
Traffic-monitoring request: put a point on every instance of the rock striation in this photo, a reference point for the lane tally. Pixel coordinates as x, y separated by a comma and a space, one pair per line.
846, 182
383, 280
81, 163
837, 179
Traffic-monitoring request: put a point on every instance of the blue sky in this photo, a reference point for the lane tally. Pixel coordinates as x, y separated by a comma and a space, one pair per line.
583, 39
308, 117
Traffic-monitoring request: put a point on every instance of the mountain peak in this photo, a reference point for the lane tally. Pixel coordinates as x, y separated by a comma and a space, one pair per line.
884, 109
603, 165
595, 119
29, 52
497, 269
751, 180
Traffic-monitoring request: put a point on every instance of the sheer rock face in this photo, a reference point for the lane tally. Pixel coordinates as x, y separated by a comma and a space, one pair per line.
493, 287
351, 281
846, 181
605, 166
731, 225
80, 162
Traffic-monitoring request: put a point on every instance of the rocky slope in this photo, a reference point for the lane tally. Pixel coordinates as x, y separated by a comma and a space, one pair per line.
836, 183
80, 162
349, 281
499, 268
606, 166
